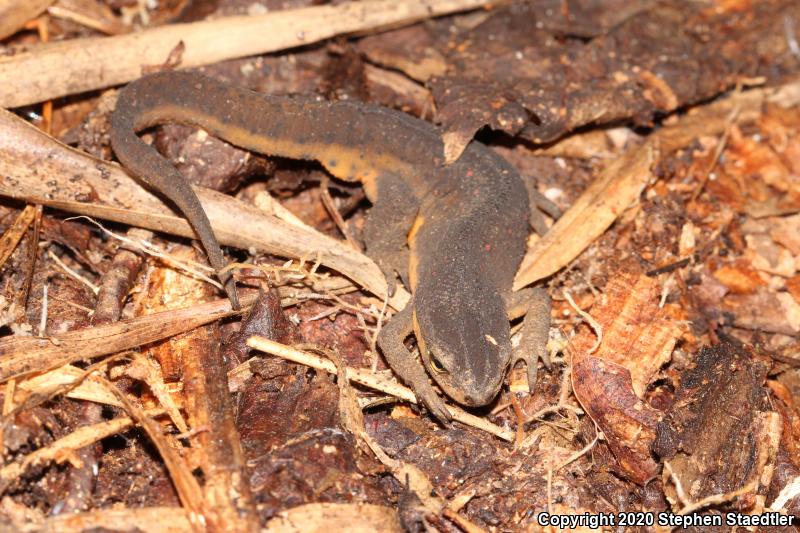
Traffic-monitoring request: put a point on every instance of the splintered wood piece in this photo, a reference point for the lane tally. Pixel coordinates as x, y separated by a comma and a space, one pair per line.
721, 434
12, 236
26, 355
80, 65
593, 212
169, 288
637, 339
89, 389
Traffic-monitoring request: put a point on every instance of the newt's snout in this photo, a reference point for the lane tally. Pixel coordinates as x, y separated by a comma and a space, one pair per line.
466, 347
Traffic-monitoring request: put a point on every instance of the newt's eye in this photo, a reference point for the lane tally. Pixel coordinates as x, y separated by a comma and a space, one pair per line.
437, 365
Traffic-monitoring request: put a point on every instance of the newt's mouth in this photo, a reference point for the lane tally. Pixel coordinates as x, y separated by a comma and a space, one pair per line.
468, 393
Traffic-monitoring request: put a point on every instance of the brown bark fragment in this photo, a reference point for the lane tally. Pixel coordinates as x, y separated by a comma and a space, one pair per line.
718, 436
512, 73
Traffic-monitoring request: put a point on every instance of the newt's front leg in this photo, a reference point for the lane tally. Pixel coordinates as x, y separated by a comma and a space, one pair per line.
405, 365
535, 305
394, 208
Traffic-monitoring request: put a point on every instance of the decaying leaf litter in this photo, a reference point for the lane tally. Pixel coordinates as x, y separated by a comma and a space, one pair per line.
667, 131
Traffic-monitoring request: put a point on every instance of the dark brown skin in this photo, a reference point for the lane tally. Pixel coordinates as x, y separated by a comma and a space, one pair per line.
466, 224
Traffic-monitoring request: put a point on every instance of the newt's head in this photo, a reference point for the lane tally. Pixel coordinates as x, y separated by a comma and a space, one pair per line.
465, 342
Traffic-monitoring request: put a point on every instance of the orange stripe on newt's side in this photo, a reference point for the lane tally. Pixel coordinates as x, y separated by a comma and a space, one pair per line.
413, 256
344, 162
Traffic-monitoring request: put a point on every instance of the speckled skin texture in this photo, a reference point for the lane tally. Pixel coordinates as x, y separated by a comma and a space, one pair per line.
469, 219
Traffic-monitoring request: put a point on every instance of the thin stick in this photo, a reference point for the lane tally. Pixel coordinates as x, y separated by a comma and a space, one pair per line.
716, 499
598, 329
721, 145
336, 216
71, 273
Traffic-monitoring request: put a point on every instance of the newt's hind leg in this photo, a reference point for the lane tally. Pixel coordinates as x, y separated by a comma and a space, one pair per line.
535, 305
394, 208
406, 366
539, 204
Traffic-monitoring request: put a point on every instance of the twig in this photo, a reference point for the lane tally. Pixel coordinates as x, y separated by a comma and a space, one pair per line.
598, 329
582, 451
71, 273
791, 37
33, 254
716, 499
684, 499
43, 315
190, 267
334, 213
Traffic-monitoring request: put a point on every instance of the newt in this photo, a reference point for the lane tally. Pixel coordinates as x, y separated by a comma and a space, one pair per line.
455, 234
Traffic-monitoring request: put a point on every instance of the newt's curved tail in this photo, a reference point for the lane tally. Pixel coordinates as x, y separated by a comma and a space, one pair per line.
139, 103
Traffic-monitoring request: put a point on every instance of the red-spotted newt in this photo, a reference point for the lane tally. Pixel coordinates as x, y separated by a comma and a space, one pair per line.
454, 233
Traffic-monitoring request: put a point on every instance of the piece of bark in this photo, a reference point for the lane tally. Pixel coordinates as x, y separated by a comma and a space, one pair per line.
207, 161
787, 466
721, 432
764, 310
410, 50
637, 339
739, 277
267, 319
513, 74
117, 281
208, 403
